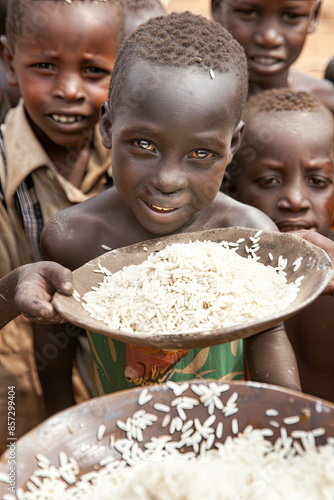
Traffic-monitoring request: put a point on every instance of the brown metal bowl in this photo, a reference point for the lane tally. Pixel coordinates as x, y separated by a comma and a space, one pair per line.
315, 267
74, 430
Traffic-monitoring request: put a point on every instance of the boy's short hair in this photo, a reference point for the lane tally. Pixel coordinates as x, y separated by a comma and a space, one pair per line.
283, 99
182, 40
15, 25
269, 101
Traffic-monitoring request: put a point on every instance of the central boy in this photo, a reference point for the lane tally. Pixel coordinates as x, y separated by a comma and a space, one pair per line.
177, 92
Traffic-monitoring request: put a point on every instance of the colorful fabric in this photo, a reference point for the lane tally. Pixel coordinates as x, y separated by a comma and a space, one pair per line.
118, 366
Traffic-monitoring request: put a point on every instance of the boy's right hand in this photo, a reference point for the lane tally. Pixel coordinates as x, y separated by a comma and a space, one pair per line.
35, 287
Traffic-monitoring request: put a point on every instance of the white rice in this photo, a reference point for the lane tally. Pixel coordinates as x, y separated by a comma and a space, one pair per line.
190, 287
246, 469
244, 465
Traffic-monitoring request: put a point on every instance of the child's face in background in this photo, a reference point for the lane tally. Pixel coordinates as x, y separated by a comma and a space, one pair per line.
273, 32
171, 140
285, 168
135, 18
63, 69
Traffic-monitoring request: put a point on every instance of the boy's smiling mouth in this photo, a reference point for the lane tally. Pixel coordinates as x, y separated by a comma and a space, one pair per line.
66, 118
267, 60
294, 225
161, 209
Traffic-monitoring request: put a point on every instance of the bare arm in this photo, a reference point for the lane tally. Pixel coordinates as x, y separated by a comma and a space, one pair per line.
270, 358
29, 289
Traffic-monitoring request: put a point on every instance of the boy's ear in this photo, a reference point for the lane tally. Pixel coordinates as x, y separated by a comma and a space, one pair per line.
315, 17
236, 139
105, 125
7, 55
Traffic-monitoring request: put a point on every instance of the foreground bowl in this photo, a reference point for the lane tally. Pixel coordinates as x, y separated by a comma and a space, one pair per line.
93, 431
315, 267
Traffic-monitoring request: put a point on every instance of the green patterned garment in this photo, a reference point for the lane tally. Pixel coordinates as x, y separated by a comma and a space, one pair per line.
118, 366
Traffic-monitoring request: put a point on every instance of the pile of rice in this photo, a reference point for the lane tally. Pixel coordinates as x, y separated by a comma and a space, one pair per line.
191, 460
190, 287
245, 467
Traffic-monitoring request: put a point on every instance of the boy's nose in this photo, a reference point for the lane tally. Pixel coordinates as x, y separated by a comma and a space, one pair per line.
269, 34
294, 199
69, 87
168, 177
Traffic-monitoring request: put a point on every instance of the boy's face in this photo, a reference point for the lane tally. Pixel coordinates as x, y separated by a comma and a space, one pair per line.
285, 168
63, 66
273, 32
171, 140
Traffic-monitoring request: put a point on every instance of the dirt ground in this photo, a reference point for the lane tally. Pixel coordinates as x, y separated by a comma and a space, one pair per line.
317, 51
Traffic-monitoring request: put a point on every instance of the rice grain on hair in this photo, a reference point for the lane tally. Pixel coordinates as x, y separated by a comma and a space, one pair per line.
190, 287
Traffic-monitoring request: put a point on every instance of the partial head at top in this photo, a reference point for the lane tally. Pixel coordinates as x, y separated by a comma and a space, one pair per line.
20, 28
273, 33
182, 41
139, 11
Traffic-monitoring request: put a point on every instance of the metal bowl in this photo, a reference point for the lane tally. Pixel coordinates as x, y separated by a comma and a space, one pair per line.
315, 268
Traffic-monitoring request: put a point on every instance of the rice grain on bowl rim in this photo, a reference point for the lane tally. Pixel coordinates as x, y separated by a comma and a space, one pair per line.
191, 287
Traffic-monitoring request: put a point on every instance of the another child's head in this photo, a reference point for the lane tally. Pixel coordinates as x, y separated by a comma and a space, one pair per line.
329, 70
139, 11
61, 53
177, 93
273, 33
284, 165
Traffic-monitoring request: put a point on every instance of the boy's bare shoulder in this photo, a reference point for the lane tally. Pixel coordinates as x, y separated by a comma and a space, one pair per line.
73, 236
322, 89
231, 212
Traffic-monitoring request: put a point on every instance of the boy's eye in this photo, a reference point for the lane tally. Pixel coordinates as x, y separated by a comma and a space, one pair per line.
319, 182
143, 144
95, 71
268, 181
249, 13
201, 154
43, 65
292, 16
